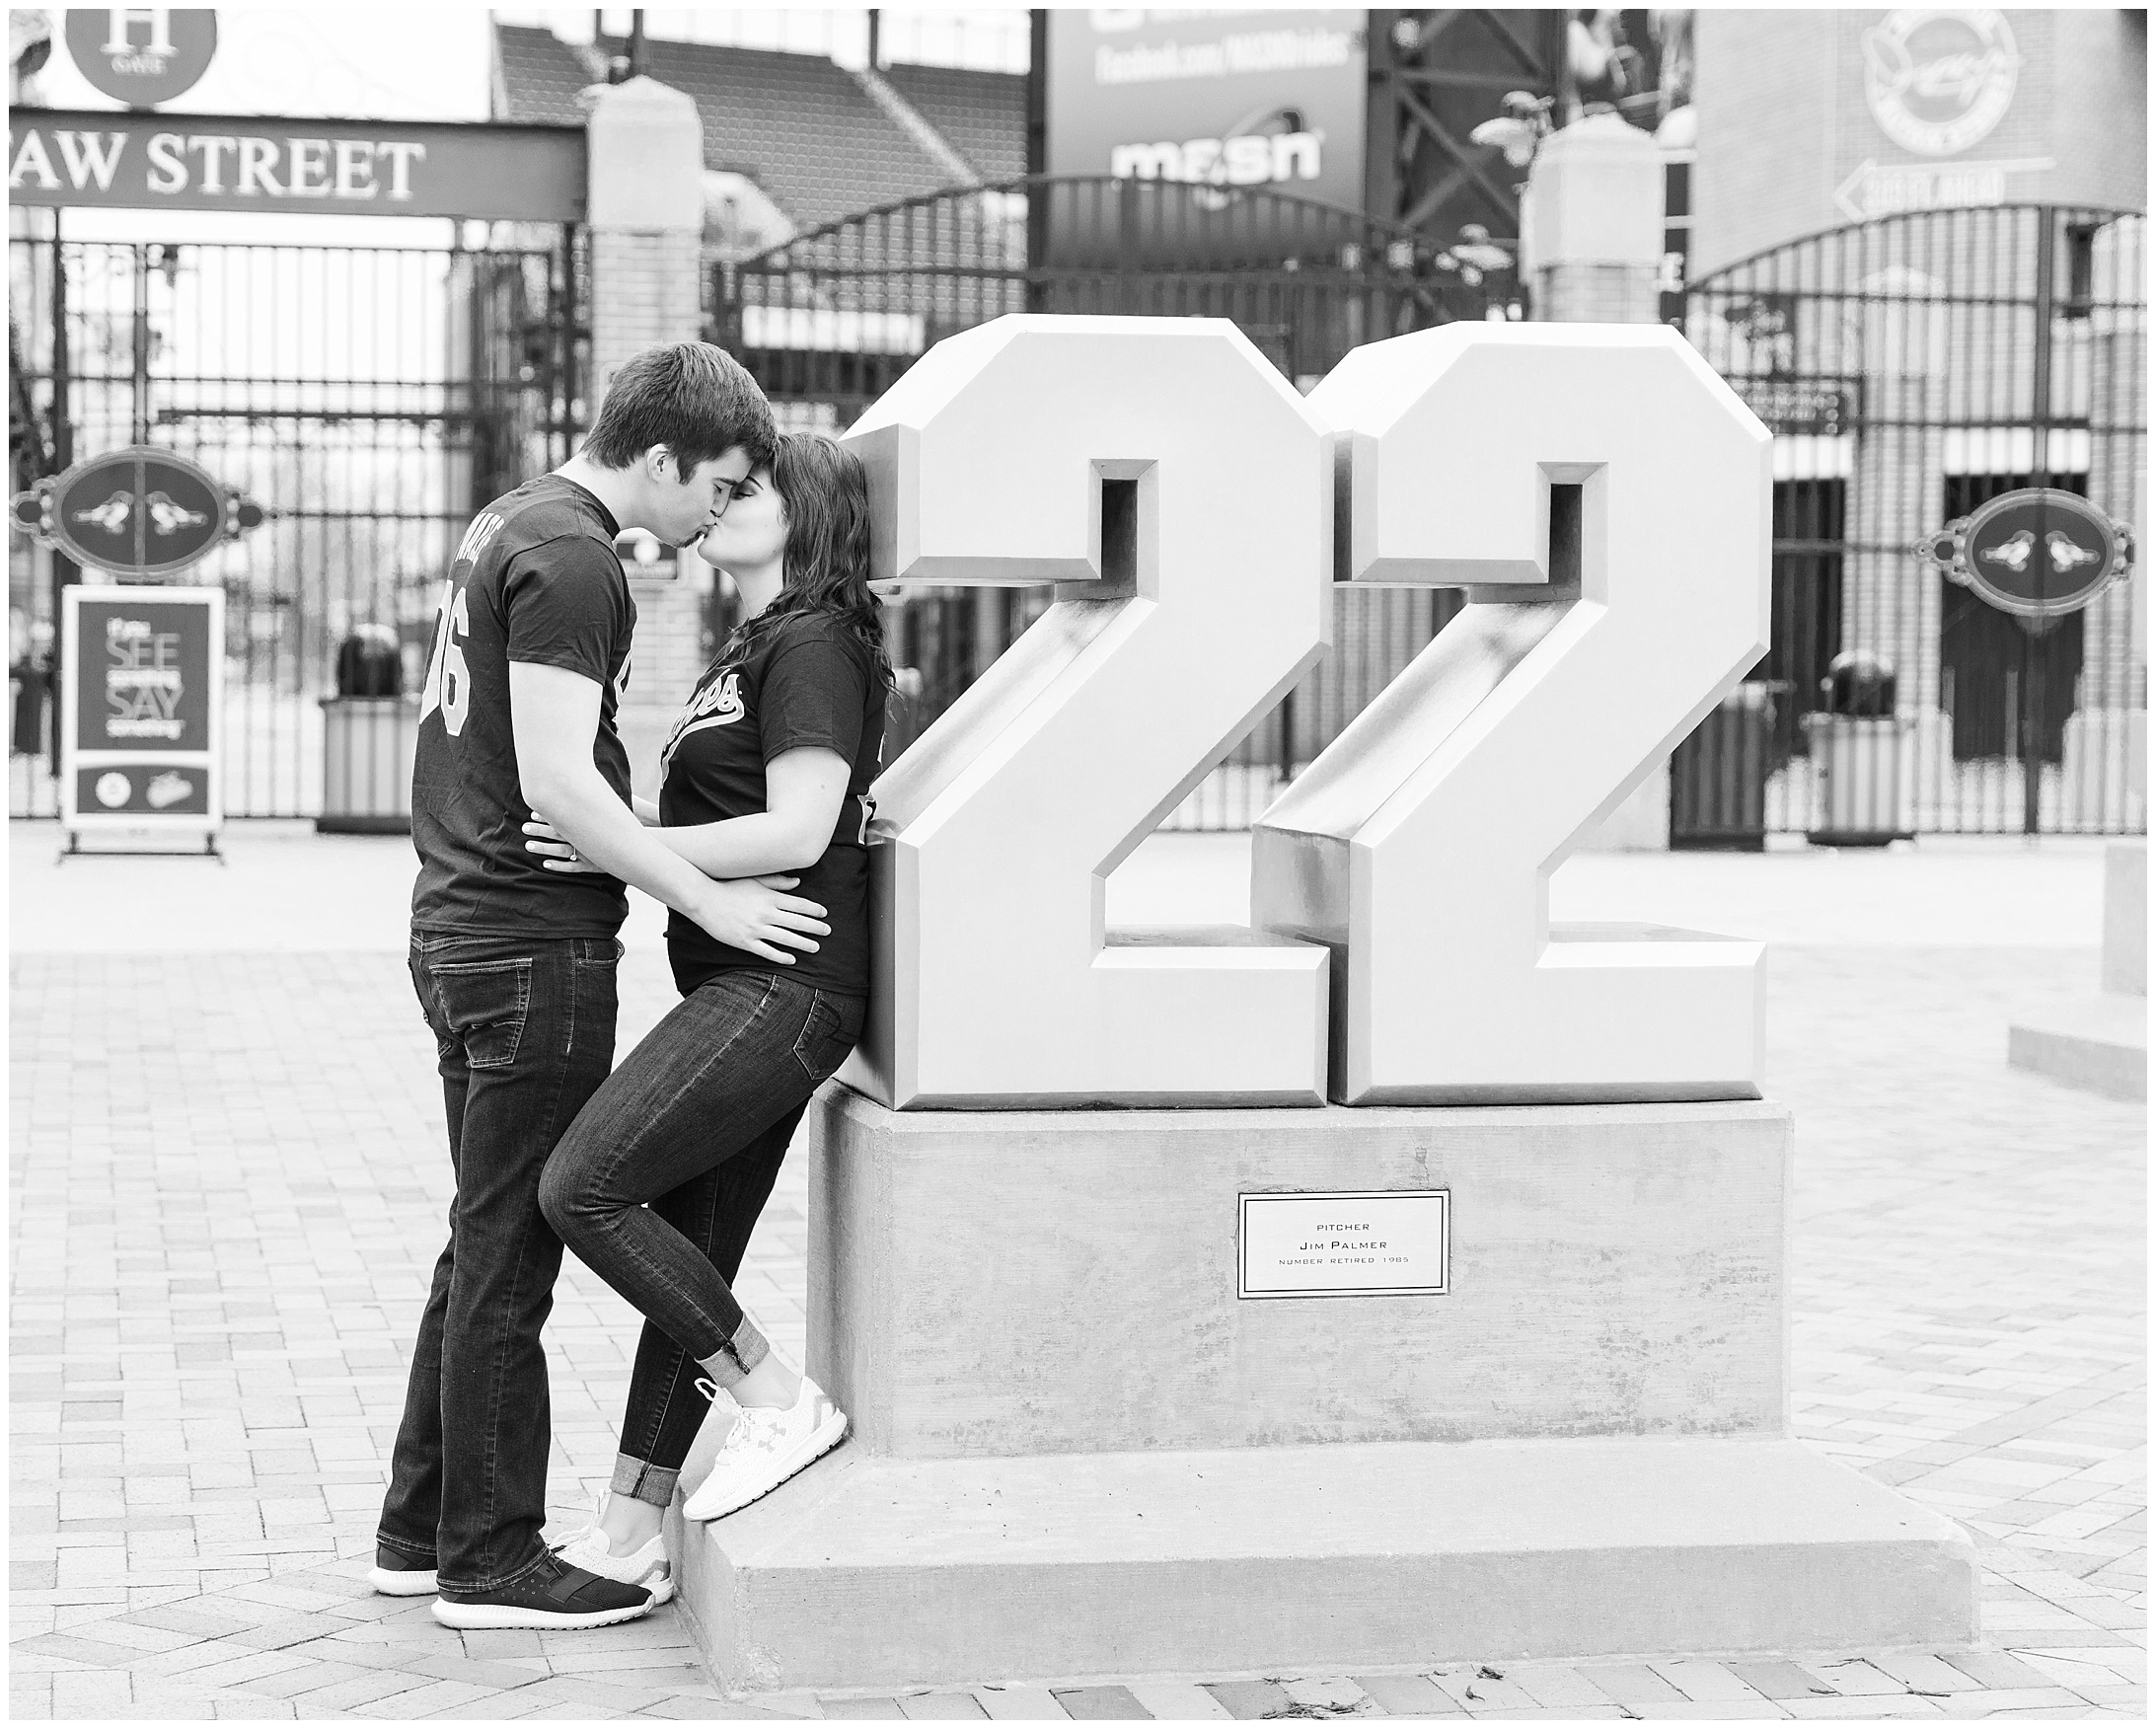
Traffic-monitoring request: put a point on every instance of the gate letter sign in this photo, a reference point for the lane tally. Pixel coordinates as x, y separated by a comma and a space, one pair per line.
1182, 499
142, 56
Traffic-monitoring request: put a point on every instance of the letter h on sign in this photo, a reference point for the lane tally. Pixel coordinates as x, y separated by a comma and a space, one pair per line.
119, 33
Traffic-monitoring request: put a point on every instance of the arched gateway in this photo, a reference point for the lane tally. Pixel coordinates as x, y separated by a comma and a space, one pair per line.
1912, 368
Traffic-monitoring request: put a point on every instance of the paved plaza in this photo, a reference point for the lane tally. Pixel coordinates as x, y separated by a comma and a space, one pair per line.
229, 1183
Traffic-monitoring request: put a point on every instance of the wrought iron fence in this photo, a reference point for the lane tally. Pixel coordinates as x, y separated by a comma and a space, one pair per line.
368, 397
1911, 368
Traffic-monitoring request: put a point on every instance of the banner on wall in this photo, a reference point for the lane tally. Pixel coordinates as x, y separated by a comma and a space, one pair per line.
141, 708
1223, 102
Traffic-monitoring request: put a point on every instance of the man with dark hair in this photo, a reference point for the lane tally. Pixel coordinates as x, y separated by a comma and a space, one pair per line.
515, 964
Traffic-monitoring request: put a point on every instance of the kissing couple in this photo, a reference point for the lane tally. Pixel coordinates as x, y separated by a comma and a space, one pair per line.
528, 837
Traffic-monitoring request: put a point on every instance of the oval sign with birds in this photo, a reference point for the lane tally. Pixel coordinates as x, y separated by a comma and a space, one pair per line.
140, 512
2038, 552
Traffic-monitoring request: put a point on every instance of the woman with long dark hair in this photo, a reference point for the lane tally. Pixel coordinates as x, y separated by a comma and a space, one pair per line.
767, 774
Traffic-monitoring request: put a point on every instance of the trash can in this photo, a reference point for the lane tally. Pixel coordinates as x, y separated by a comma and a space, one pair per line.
1718, 776
369, 663
370, 731
1856, 753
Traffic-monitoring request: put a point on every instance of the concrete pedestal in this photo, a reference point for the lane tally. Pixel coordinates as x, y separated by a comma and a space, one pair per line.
2101, 1043
1076, 1452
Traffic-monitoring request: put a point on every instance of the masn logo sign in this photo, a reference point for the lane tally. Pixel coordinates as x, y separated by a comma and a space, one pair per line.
1252, 160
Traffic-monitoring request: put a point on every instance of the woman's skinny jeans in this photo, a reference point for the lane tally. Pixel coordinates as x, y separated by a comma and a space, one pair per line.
695, 1122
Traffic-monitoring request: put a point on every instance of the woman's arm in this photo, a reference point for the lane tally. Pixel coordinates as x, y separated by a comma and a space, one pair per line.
804, 790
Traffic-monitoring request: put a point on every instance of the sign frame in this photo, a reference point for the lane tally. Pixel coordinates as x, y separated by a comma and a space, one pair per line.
40, 512
73, 758
1246, 1202
1954, 550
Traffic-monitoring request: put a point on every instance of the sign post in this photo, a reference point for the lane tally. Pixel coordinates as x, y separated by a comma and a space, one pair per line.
143, 714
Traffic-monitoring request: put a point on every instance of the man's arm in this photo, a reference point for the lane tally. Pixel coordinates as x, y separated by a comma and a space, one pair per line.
553, 717
806, 787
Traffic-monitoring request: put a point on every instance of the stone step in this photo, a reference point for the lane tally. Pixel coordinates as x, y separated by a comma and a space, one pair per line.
873, 1571
2099, 1044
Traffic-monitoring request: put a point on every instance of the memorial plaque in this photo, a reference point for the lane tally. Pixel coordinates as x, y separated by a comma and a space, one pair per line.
1379, 1243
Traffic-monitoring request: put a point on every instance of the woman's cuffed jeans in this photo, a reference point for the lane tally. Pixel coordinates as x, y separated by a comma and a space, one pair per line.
658, 1185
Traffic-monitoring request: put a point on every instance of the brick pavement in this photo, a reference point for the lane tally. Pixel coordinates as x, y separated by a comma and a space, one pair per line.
227, 1190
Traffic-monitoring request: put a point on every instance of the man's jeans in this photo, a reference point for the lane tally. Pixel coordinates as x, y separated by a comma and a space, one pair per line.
695, 1122
525, 1031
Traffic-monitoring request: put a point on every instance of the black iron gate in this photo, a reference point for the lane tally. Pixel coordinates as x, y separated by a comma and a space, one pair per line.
1911, 369
828, 320
368, 397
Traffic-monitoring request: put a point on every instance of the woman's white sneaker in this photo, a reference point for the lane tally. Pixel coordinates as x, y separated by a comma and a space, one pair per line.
766, 1447
647, 1566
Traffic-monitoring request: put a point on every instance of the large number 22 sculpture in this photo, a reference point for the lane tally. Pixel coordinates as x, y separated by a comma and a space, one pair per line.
1183, 498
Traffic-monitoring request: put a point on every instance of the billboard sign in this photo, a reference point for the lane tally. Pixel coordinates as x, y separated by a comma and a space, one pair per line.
1224, 102
141, 689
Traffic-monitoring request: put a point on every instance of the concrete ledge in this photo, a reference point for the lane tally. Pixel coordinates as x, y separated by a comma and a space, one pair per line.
2125, 917
2100, 1045
870, 1571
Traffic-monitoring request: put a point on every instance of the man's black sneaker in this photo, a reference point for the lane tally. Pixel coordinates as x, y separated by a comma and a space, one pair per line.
552, 1594
396, 1575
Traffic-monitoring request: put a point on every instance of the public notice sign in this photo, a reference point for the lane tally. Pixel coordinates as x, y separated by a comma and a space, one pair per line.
141, 700
336, 167
1384, 1242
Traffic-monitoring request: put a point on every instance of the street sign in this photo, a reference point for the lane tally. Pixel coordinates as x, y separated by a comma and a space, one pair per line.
64, 158
2039, 552
142, 56
137, 512
142, 710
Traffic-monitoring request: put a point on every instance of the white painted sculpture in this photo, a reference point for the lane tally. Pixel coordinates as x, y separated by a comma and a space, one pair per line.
1419, 846
997, 459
